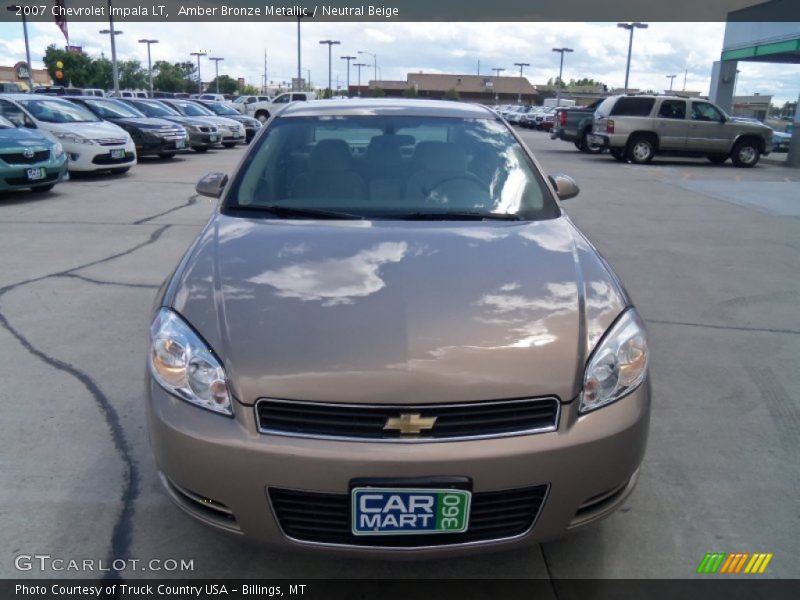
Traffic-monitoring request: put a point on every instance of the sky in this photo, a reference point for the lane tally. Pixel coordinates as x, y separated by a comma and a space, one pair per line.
600, 51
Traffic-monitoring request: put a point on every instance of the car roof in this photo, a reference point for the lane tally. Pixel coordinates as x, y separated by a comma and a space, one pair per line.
387, 106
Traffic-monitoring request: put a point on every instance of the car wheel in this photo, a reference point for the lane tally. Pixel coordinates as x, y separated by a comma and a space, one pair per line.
167, 155
120, 171
618, 153
745, 154
641, 149
43, 188
586, 146
262, 116
717, 159
201, 150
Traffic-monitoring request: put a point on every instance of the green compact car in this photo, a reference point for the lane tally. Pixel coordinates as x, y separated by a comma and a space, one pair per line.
29, 159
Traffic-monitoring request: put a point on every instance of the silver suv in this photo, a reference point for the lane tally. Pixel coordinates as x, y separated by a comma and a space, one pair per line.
636, 128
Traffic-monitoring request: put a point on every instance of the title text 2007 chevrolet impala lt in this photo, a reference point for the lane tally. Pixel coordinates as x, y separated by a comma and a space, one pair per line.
389, 337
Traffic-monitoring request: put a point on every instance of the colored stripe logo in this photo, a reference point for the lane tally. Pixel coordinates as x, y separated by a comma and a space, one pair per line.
734, 562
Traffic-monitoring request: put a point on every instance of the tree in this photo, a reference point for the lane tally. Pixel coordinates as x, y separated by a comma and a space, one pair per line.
174, 77
227, 85
131, 75
410, 92
249, 90
451, 94
377, 92
76, 70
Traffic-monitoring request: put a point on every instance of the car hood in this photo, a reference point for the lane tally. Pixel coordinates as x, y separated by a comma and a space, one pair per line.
198, 121
227, 122
145, 123
91, 130
19, 139
397, 312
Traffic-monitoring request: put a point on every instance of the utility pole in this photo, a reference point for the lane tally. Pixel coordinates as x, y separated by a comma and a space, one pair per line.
149, 62
330, 44
199, 79
685, 74
359, 65
560, 82
630, 27
216, 69
671, 80
497, 71
374, 63
521, 65
348, 59
299, 70
112, 33
266, 80
17, 9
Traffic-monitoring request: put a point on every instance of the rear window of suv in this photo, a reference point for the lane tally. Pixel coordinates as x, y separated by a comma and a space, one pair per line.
633, 107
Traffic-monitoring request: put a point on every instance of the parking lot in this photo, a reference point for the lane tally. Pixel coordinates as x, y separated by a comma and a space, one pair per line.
709, 254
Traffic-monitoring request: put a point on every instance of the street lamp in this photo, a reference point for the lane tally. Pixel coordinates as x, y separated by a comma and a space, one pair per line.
216, 60
560, 81
111, 33
199, 79
497, 71
374, 63
671, 80
17, 9
521, 65
149, 63
348, 59
359, 65
630, 27
331, 44
299, 75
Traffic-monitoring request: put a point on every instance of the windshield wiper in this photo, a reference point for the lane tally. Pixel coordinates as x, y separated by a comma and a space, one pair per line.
296, 211
459, 216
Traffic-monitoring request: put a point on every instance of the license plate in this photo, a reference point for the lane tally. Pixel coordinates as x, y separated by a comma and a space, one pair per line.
180, 144
118, 153
36, 174
397, 511
212, 137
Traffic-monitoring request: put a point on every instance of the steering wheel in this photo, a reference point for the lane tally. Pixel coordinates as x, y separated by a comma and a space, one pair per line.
429, 192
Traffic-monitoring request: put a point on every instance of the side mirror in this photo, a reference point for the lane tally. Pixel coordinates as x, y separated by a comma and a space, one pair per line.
565, 185
211, 184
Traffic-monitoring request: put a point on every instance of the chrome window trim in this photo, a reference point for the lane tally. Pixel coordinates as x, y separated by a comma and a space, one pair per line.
407, 408
411, 548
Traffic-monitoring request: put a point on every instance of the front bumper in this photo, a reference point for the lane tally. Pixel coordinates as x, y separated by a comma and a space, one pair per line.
159, 145
203, 139
589, 464
14, 177
86, 157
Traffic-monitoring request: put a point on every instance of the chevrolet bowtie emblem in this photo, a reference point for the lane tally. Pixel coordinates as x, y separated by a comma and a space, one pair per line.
409, 423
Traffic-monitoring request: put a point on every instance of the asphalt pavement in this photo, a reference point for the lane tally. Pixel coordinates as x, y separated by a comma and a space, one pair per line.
709, 260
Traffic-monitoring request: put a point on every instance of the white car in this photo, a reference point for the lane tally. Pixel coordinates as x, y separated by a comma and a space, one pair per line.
263, 110
90, 143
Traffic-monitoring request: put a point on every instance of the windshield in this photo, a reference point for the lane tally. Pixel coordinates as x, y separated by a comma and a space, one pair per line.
5, 123
58, 111
112, 109
392, 167
221, 109
241, 99
156, 109
193, 110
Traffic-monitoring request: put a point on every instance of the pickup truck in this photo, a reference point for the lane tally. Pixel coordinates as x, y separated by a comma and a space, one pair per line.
574, 124
262, 110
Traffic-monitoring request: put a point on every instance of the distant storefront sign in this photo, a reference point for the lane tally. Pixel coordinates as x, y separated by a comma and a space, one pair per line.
75, 49
22, 71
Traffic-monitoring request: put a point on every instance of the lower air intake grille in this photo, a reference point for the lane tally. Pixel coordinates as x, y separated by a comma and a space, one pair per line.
325, 518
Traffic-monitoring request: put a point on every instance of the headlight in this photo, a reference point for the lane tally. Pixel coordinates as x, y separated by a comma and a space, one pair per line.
193, 128
184, 365
618, 364
58, 150
73, 138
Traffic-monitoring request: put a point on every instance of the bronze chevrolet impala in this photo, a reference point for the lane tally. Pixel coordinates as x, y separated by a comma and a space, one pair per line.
390, 338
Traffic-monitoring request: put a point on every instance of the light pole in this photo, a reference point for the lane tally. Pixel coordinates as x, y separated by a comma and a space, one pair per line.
299, 71
17, 9
359, 65
149, 62
199, 79
497, 71
113, 32
331, 44
216, 60
560, 81
630, 27
348, 59
374, 63
521, 65
671, 80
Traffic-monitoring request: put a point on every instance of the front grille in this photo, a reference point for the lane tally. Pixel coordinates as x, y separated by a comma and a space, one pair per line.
366, 422
18, 158
208, 129
325, 518
111, 141
105, 159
